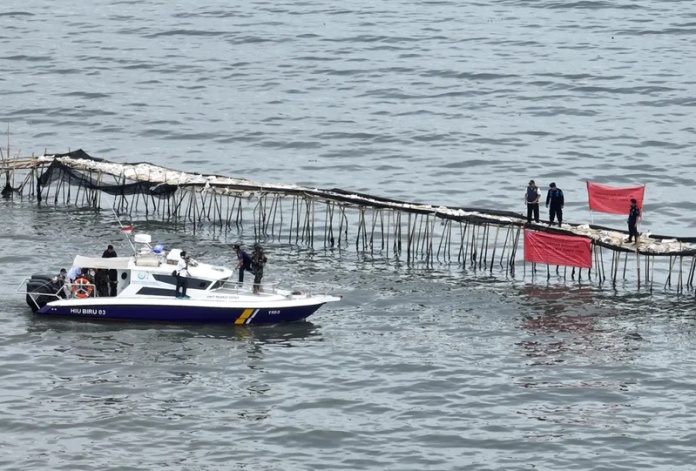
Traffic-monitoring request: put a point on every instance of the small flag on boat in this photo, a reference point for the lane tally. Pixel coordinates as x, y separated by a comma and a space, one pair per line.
127, 229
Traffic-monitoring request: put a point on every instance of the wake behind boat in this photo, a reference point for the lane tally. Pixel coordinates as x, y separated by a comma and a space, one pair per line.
146, 292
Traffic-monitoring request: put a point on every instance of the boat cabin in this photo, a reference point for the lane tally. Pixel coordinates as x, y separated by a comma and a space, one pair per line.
151, 273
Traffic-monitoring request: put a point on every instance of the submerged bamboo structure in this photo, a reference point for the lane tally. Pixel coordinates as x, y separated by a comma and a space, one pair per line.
475, 239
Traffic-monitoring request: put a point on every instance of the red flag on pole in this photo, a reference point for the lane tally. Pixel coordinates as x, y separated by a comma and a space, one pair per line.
607, 199
554, 249
127, 229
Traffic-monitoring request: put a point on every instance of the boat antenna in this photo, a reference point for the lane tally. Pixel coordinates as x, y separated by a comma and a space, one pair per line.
124, 230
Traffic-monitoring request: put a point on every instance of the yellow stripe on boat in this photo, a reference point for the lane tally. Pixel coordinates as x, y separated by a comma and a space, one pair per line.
243, 317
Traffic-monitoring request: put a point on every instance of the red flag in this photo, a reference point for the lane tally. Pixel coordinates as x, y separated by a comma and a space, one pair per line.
554, 249
607, 199
127, 229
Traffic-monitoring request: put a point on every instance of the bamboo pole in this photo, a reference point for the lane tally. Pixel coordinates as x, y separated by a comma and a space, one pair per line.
495, 245
638, 267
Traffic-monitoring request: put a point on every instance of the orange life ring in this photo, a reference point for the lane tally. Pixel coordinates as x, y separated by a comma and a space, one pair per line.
82, 288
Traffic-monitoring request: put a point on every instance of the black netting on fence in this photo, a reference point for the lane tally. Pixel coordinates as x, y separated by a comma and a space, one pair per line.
58, 171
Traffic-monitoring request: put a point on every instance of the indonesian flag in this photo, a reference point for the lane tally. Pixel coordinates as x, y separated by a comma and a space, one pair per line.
607, 199
554, 249
127, 229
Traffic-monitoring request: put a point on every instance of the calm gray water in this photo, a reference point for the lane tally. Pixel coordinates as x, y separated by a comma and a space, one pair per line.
443, 102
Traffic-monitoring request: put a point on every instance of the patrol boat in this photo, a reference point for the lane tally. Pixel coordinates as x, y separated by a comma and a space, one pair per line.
146, 292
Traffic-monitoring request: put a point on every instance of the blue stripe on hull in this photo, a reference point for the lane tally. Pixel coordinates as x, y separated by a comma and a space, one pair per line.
175, 314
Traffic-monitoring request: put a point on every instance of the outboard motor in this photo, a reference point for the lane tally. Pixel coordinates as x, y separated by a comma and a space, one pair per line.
39, 291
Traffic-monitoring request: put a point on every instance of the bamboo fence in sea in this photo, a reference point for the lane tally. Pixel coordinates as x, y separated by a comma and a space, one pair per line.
474, 238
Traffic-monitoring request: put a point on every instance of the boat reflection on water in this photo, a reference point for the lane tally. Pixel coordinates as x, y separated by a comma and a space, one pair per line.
274, 334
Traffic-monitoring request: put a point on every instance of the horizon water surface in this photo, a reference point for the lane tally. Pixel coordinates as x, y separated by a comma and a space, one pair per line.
436, 101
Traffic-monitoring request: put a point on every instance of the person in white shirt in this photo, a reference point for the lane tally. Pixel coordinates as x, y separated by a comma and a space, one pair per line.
182, 277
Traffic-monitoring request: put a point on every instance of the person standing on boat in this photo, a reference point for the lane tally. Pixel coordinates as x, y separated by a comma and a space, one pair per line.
59, 280
258, 261
633, 215
101, 280
243, 262
555, 198
58, 283
532, 199
182, 277
73, 274
113, 274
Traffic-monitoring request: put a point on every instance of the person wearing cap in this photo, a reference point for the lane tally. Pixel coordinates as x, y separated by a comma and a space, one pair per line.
258, 261
532, 200
243, 262
633, 215
555, 199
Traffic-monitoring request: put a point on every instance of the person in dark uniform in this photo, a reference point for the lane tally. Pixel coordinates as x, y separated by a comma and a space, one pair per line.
555, 199
101, 280
258, 261
633, 215
243, 262
113, 274
532, 200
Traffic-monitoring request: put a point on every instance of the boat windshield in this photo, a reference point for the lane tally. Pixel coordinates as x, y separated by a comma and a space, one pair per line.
219, 284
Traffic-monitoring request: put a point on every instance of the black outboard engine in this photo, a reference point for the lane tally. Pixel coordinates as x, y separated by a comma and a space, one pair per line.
42, 291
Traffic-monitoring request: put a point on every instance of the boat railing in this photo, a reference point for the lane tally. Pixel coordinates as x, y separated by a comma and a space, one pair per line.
235, 287
308, 288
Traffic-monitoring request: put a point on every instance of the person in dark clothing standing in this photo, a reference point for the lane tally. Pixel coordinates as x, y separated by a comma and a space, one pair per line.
113, 274
555, 199
182, 275
258, 261
243, 262
532, 201
633, 215
101, 281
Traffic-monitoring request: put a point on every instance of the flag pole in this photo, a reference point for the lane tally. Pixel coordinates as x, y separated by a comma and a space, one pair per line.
121, 225
589, 201
642, 205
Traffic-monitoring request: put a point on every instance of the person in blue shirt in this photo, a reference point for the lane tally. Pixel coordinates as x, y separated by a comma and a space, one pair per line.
555, 199
633, 215
74, 274
243, 262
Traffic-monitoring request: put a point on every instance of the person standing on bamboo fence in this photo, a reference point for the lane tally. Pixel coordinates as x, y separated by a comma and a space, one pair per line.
556, 200
633, 215
532, 200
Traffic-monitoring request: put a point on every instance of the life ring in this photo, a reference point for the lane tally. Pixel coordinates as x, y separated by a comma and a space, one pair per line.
82, 288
